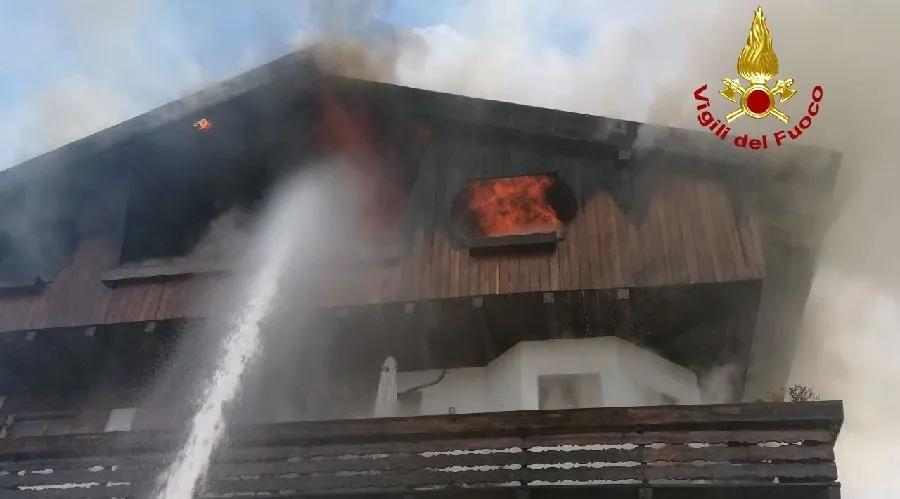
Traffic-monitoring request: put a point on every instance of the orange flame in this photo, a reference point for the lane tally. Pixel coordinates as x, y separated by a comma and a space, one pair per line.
350, 132
512, 205
203, 124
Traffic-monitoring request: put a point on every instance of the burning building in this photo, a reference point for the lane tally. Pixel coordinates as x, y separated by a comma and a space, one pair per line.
539, 306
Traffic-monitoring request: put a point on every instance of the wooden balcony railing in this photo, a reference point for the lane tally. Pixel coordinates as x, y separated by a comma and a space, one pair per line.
777, 450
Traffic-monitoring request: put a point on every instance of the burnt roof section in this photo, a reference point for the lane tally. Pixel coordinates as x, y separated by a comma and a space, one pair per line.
291, 66
294, 69
259, 115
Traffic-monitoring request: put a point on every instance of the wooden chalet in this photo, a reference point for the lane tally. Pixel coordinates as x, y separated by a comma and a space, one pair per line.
677, 245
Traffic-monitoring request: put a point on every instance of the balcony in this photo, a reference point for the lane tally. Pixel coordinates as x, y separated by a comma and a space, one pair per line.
771, 450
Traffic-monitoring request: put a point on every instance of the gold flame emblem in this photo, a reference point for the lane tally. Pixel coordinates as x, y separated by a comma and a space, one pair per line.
757, 64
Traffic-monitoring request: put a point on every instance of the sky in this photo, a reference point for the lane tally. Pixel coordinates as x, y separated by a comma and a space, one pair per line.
72, 67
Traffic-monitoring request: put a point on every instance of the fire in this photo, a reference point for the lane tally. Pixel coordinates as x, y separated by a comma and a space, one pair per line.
350, 132
203, 124
512, 205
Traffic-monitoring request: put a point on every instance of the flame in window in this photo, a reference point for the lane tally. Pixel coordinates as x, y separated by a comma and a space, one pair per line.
512, 206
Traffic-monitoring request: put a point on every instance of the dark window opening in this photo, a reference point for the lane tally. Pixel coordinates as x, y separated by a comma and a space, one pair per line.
33, 254
42, 425
171, 213
569, 391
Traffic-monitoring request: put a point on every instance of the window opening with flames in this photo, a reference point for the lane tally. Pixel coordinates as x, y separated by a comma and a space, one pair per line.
516, 209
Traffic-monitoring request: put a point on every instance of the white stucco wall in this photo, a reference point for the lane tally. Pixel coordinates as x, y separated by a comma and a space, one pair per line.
629, 376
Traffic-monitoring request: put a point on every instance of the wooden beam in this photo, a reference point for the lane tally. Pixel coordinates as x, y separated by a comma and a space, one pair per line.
826, 416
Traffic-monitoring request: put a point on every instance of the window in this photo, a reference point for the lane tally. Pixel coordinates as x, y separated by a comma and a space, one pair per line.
569, 391
120, 419
654, 397
178, 203
519, 207
40, 425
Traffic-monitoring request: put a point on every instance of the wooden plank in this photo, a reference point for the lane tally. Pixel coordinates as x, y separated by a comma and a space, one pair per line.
659, 242
443, 275
755, 234
752, 453
808, 415
711, 472
670, 221
704, 242
464, 279
89, 490
17, 312
720, 229
83, 463
738, 422
553, 267
731, 227
453, 290
442, 228
336, 483
382, 463
532, 261
509, 274
597, 278
573, 239
636, 257
681, 199
79, 476
708, 226
543, 263
742, 265
681, 452
808, 436
366, 449
608, 232
424, 288
490, 275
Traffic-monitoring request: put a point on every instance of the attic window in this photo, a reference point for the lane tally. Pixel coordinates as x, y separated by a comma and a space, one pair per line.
193, 213
513, 210
42, 425
33, 253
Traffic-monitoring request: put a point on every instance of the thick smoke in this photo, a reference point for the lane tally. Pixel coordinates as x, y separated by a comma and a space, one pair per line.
646, 70
644, 66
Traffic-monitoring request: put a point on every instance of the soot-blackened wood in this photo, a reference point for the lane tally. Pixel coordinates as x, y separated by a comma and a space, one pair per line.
725, 472
812, 436
821, 416
716, 417
676, 243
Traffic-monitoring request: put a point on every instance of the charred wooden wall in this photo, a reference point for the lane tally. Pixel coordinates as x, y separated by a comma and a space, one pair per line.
78, 295
690, 232
637, 226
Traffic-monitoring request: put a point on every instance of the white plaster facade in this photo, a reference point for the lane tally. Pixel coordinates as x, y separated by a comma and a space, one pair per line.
611, 372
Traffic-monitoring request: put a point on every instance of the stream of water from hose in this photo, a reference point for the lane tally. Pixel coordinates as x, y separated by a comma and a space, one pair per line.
276, 244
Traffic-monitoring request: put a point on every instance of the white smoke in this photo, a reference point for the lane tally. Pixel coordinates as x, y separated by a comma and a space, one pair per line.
645, 69
110, 62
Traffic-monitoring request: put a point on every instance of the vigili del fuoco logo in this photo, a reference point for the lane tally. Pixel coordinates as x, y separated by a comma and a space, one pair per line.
756, 98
